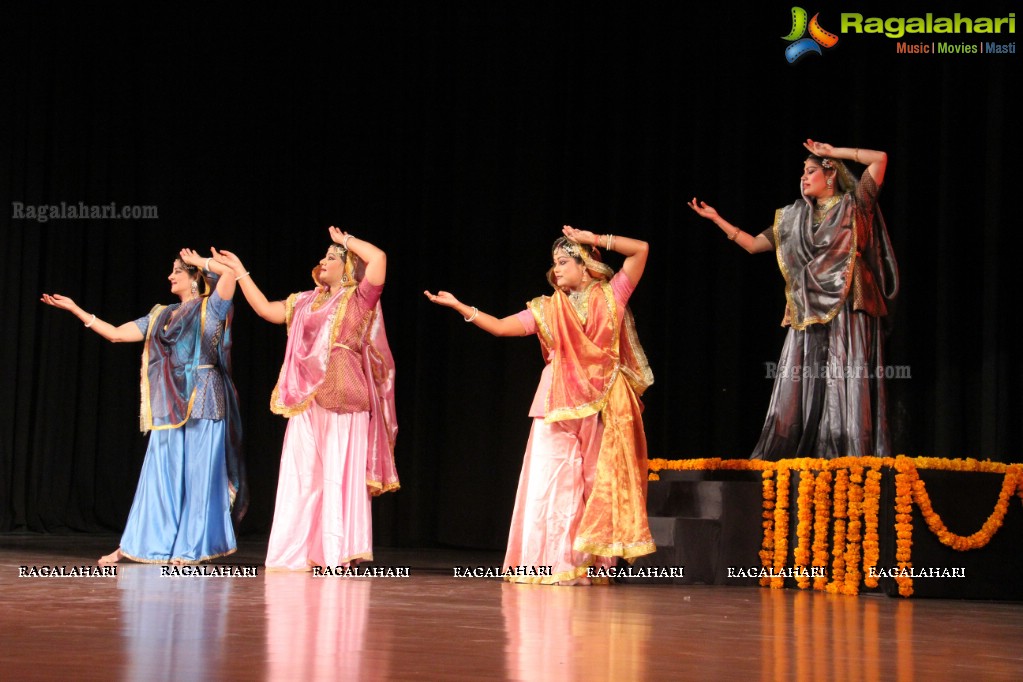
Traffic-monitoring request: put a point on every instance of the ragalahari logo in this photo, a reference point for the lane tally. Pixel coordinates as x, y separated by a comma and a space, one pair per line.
800, 45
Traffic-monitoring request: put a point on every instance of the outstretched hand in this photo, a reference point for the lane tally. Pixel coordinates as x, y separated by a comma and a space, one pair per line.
442, 298
703, 209
228, 259
58, 301
821, 149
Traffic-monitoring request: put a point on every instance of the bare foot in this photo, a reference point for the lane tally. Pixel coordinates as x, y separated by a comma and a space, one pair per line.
577, 582
111, 558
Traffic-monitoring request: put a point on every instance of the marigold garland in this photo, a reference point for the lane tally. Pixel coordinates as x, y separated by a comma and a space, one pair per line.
781, 527
852, 507
986, 532
871, 545
804, 519
822, 511
904, 524
853, 536
767, 547
840, 514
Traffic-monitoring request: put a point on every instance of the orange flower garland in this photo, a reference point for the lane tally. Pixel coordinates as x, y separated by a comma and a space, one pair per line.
781, 526
851, 584
767, 547
871, 545
904, 523
822, 510
838, 540
852, 507
804, 516
986, 532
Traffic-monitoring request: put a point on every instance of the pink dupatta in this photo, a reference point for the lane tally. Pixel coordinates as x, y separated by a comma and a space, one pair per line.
311, 336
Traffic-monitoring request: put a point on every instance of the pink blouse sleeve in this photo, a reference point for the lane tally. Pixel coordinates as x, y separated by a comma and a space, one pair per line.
369, 293
527, 320
622, 288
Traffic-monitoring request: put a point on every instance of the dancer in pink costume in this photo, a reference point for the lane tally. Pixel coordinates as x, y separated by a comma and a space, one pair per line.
336, 386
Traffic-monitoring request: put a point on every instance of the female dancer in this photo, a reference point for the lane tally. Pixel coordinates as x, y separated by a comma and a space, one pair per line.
193, 471
336, 386
581, 500
840, 278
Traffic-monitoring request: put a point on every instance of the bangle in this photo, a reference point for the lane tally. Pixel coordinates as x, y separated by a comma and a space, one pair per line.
857, 155
91, 321
475, 312
344, 242
241, 277
206, 265
734, 235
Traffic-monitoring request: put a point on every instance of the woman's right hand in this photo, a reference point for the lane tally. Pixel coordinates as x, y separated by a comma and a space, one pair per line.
703, 209
229, 260
442, 298
58, 301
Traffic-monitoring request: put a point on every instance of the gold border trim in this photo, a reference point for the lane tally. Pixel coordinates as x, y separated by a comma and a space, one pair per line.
830, 315
181, 562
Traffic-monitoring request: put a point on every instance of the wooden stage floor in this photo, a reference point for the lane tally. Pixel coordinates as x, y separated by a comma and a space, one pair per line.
139, 625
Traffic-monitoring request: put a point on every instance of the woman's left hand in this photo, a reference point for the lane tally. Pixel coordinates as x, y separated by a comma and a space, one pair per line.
58, 301
443, 298
579, 236
337, 235
821, 149
190, 257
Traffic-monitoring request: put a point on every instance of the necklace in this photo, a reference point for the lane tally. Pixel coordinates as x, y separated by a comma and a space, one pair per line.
321, 298
580, 301
821, 208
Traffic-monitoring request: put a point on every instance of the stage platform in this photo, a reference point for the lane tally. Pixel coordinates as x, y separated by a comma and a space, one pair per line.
141, 625
923, 527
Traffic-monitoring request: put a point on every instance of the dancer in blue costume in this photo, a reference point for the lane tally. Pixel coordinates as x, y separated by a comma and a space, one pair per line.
193, 471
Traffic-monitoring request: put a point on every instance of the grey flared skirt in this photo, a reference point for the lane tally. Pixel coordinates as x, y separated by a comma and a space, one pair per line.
829, 396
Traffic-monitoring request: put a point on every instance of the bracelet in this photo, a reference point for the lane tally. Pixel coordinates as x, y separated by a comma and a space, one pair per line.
611, 246
344, 242
206, 265
734, 235
475, 312
91, 321
857, 155
238, 279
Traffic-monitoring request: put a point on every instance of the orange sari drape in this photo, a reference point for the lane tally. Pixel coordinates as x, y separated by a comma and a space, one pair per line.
599, 367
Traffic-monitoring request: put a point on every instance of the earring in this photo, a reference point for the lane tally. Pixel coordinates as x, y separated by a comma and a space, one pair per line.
195, 288
831, 183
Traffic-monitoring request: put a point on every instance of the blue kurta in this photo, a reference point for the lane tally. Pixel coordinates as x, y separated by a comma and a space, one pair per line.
182, 506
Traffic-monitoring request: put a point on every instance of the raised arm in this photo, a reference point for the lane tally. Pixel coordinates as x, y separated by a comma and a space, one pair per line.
373, 257
751, 243
128, 331
634, 250
875, 161
225, 275
504, 326
271, 311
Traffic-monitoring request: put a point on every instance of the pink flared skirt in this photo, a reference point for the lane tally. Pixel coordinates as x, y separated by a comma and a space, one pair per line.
322, 516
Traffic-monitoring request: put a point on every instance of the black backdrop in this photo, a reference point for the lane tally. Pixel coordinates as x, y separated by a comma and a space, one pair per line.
459, 138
